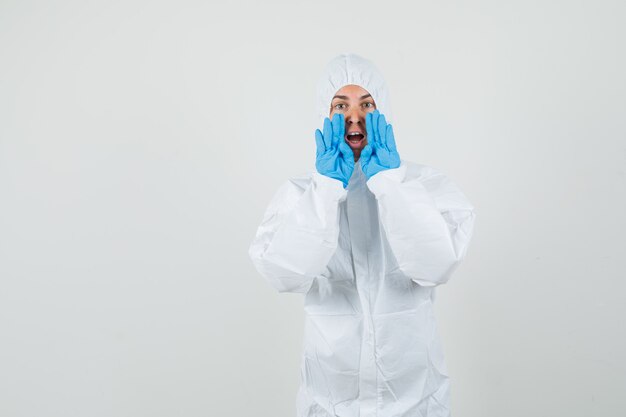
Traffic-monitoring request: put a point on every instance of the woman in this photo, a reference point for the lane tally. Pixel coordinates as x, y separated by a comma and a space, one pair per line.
366, 238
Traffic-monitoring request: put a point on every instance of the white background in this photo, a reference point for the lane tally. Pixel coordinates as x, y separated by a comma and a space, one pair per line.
140, 143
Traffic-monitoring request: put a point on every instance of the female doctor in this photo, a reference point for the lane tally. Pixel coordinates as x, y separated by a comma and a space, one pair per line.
366, 238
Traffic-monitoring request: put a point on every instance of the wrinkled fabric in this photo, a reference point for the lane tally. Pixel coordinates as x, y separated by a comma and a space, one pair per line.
367, 260
348, 69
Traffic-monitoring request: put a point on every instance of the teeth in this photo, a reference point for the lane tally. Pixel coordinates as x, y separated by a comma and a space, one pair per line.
353, 133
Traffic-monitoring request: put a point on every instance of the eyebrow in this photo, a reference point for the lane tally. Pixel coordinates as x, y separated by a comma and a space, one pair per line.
346, 97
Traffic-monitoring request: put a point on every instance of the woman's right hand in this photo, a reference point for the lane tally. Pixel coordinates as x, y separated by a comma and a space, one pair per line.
334, 158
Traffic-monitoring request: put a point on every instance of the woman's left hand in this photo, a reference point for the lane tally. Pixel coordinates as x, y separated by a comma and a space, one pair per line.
380, 153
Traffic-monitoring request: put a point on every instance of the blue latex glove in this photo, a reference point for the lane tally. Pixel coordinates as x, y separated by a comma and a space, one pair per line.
380, 153
334, 157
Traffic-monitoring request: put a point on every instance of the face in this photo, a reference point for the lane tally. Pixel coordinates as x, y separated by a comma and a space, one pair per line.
354, 103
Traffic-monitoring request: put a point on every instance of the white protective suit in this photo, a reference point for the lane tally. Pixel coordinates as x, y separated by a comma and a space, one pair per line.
367, 260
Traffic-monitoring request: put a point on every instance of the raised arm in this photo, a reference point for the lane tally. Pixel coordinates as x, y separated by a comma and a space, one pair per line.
299, 233
427, 220
300, 229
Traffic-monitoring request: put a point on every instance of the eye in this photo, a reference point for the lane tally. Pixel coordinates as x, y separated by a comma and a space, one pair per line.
368, 105
339, 106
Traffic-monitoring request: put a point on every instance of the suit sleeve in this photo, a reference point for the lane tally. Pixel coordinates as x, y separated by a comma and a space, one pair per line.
298, 234
427, 220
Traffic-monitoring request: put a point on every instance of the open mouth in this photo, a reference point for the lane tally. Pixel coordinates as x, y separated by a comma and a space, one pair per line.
355, 138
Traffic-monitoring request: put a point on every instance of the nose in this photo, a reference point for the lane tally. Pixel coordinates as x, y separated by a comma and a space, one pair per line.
355, 116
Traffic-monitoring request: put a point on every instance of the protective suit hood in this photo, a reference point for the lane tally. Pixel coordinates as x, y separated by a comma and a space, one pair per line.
346, 69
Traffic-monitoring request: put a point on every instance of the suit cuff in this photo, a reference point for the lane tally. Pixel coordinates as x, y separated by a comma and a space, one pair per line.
329, 187
380, 182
